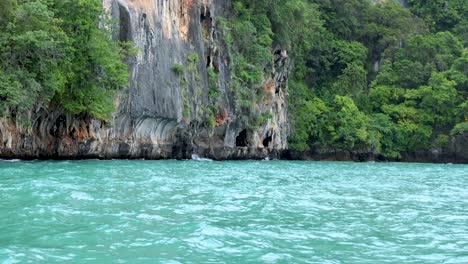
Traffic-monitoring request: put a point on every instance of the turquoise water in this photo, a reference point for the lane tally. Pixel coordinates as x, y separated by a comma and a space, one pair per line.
232, 212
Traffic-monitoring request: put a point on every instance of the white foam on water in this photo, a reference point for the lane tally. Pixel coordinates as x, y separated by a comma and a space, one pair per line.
150, 217
10, 160
81, 196
196, 157
274, 257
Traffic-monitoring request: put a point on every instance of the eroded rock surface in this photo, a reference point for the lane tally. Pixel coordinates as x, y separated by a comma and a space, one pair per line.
162, 114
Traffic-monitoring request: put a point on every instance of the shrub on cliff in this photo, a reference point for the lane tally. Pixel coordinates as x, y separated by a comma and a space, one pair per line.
178, 69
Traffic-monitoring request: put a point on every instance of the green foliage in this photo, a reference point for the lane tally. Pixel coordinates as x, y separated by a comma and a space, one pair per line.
348, 127
352, 81
251, 37
380, 78
257, 27
441, 15
260, 120
7, 12
461, 128
384, 26
442, 141
97, 70
192, 60
54, 52
347, 52
178, 69
213, 86
309, 118
11, 92
438, 99
211, 120
459, 73
213, 97
128, 49
389, 137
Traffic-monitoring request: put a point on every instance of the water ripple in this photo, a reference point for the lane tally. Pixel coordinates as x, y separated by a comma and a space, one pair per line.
232, 212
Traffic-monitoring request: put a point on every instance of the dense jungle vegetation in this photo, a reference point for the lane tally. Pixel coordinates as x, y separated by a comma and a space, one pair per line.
375, 76
52, 52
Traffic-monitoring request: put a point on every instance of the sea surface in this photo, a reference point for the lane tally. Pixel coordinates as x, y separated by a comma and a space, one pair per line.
232, 212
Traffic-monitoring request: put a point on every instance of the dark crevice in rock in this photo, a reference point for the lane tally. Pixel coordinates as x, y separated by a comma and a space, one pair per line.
241, 139
215, 63
267, 141
124, 149
125, 33
72, 132
205, 17
38, 123
208, 61
54, 130
209, 35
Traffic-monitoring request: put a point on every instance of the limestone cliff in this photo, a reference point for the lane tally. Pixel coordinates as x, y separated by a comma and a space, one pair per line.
163, 114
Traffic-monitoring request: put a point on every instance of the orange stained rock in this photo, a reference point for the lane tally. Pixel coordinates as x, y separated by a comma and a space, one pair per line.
174, 14
222, 117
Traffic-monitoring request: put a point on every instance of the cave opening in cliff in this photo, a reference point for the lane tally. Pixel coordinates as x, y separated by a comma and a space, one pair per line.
207, 23
124, 25
241, 139
205, 16
267, 141
212, 62
72, 132
59, 123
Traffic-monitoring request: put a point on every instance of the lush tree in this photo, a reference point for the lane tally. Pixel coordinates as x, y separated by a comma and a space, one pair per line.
96, 69
388, 136
309, 119
439, 100
56, 52
441, 15
348, 127
401, 79
33, 53
7, 10
459, 73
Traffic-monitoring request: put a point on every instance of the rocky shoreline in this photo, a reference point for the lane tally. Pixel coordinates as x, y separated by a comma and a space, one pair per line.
262, 154
456, 152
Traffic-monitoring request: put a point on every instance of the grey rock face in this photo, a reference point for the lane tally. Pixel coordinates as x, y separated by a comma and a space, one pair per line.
163, 112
